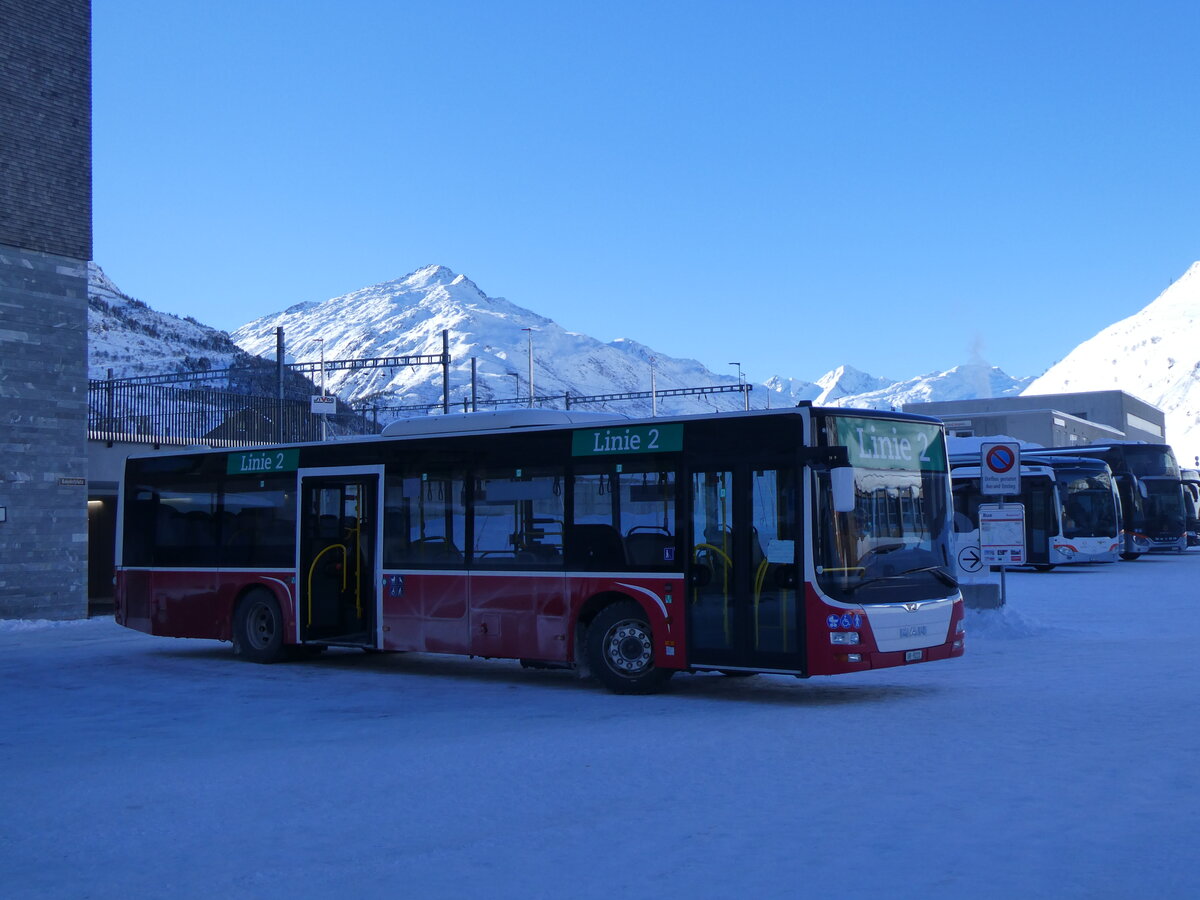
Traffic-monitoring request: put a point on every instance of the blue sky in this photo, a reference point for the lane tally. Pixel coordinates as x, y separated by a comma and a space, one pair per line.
900, 187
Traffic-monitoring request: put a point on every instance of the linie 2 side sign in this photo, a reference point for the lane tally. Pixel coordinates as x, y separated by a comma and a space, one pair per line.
620, 439
258, 461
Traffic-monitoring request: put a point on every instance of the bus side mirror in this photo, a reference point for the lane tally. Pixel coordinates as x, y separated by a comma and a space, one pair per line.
841, 481
1142, 489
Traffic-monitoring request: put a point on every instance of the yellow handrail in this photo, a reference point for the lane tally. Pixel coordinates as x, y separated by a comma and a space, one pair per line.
313, 567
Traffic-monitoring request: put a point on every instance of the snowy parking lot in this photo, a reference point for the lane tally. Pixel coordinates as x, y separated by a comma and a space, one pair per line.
1058, 758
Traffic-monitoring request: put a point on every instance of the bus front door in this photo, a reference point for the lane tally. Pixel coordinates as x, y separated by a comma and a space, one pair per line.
339, 565
742, 596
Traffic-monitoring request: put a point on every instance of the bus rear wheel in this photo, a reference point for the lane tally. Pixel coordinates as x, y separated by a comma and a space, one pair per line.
620, 650
258, 628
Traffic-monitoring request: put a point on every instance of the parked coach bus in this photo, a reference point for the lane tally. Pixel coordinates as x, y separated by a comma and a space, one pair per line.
801, 541
1089, 509
1152, 502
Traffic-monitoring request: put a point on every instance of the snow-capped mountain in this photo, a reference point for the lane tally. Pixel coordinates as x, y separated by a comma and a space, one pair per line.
1153, 355
129, 337
965, 382
407, 316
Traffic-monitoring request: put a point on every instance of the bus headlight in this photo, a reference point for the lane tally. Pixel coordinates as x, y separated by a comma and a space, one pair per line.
843, 637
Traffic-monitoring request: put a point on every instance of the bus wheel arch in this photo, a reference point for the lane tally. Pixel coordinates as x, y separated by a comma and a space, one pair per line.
618, 647
257, 628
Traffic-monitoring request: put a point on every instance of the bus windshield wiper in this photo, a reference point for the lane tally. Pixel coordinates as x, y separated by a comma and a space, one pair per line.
937, 571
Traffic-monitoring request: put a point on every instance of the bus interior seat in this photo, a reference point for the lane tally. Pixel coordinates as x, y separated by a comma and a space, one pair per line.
434, 549
539, 554
648, 548
593, 547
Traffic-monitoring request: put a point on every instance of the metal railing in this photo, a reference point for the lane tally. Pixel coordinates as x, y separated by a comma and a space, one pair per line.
155, 413
567, 400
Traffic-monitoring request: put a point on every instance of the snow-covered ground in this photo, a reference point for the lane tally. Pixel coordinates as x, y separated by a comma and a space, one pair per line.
1058, 758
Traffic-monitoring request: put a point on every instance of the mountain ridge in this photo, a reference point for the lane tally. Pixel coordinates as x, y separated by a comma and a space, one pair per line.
406, 316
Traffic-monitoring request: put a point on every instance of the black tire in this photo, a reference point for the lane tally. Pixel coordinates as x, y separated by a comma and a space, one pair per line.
258, 628
620, 650
1043, 567
1129, 557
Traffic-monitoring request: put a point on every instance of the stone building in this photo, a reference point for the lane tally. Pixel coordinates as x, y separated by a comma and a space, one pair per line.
45, 245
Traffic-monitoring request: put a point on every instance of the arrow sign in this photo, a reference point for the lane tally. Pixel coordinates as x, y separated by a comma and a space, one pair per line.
970, 559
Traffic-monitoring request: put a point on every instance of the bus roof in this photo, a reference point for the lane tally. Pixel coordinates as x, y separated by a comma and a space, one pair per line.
500, 421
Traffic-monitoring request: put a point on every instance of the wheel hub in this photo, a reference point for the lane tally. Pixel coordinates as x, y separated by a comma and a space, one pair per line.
629, 647
262, 627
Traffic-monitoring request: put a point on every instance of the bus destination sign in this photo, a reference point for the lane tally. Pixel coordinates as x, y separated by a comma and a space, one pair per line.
256, 462
627, 439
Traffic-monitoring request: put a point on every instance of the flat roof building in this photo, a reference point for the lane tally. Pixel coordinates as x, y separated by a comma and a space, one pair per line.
1052, 420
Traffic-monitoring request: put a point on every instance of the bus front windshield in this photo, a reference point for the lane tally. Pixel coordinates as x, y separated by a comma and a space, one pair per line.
1164, 506
1089, 506
894, 546
1151, 459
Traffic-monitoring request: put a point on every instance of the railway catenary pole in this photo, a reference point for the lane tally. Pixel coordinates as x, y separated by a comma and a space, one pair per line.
445, 371
279, 384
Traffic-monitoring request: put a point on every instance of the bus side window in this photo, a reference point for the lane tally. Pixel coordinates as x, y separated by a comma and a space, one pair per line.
647, 501
424, 520
518, 517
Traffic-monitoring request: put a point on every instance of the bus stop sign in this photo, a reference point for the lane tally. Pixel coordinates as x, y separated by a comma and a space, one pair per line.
1000, 468
1002, 534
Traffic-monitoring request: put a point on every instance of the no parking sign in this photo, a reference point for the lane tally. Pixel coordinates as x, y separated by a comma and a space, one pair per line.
1000, 468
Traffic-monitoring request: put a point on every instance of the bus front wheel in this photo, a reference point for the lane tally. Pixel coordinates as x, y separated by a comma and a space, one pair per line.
620, 650
258, 628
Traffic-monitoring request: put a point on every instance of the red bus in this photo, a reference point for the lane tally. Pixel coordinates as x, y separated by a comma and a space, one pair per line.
803, 541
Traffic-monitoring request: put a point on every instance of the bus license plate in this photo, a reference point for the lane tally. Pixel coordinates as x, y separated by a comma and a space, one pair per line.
912, 655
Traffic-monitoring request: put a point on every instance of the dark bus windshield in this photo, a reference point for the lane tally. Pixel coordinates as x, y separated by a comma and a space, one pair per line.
1088, 506
1164, 511
1150, 459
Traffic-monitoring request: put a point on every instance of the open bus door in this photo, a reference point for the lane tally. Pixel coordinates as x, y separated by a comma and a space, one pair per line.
339, 565
743, 601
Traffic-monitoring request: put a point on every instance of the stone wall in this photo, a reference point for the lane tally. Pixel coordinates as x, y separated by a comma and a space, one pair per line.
43, 435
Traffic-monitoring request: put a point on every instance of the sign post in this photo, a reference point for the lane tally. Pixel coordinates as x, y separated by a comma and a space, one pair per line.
1000, 475
322, 405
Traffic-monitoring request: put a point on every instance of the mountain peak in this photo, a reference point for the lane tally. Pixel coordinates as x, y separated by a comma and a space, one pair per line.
429, 276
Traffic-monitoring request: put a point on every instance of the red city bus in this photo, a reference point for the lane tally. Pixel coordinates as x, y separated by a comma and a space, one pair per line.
802, 541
